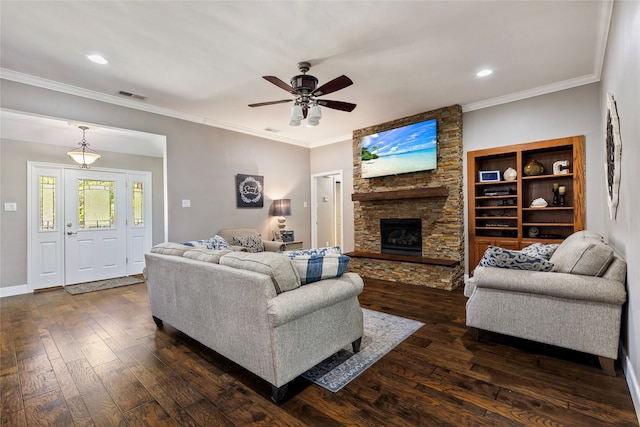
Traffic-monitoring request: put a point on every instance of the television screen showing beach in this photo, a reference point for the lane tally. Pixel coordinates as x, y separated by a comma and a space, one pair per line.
406, 149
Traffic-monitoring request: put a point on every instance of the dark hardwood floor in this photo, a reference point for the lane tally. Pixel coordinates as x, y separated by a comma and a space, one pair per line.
97, 359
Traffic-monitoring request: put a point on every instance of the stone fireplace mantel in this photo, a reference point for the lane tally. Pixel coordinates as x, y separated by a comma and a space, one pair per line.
413, 193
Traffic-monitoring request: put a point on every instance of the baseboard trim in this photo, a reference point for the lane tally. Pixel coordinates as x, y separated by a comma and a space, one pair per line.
14, 290
632, 381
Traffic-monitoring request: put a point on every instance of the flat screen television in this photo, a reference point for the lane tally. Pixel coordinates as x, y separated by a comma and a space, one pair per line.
410, 148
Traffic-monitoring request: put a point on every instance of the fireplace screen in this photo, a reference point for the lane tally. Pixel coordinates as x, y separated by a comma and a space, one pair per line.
401, 236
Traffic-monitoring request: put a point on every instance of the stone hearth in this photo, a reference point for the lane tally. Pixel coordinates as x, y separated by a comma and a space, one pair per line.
433, 196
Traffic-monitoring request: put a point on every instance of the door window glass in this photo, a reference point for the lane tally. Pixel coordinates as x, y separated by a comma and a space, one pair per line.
47, 203
138, 204
96, 204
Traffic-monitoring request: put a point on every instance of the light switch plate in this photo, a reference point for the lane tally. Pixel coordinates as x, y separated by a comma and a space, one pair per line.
10, 207
186, 203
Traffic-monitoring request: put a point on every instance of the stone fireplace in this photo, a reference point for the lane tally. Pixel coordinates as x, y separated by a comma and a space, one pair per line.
434, 197
401, 236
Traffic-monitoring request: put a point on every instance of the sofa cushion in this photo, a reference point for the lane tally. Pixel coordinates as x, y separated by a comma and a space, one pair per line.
206, 255
540, 250
215, 242
584, 255
253, 243
275, 265
499, 257
313, 268
170, 248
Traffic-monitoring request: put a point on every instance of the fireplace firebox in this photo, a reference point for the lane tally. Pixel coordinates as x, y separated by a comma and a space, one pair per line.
401, 236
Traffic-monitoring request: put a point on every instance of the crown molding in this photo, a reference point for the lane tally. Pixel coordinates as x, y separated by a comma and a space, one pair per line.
530, 93
138, 105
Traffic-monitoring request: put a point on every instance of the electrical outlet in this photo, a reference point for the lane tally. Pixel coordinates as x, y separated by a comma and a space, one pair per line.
10, 207
186, 203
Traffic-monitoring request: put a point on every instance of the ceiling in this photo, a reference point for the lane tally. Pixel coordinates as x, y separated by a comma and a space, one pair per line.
204, 60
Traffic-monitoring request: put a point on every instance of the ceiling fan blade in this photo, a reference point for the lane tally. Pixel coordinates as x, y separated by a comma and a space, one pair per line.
337, 105
332, 86
276, 81
260, 104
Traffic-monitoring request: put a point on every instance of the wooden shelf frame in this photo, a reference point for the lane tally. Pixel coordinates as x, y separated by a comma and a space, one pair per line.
550, 220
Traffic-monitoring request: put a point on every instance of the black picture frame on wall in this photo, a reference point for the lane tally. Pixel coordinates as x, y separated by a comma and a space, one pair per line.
250, 191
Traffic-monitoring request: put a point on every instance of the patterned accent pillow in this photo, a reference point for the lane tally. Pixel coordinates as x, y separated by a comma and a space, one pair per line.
252, 243
334, 250
313, 268
495, 256
215, 242
540, 250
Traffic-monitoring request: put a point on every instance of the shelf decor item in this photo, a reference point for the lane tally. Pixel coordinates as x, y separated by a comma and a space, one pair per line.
561, 167
533, 168
489, 176
510, 174
555, 194
287, 236
539, 203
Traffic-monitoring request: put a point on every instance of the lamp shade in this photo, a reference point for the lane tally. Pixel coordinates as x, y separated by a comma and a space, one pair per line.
282, 207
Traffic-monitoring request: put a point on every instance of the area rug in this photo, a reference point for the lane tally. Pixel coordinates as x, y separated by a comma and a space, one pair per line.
82, 288
382, 333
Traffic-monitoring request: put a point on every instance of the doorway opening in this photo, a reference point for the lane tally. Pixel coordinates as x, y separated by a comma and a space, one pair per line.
327, 209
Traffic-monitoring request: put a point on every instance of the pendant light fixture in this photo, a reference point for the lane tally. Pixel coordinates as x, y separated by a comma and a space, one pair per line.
83, 155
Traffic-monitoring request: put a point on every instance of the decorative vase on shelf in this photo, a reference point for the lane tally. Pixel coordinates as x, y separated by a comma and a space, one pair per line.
510, 174
533, 168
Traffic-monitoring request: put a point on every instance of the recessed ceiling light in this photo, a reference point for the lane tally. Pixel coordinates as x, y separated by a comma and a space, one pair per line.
98, 59
484, 73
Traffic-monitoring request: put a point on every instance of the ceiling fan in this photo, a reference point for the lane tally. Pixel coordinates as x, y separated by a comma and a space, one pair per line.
306, 102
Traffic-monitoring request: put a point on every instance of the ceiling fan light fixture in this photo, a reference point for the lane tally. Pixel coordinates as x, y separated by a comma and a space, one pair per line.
83, 155
296, 113
314, 116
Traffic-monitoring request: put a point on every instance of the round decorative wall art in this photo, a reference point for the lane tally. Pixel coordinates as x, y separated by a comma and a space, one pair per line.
250, 189
613, 146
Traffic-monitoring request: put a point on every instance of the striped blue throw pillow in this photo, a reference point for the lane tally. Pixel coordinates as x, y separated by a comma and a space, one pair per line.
313, 268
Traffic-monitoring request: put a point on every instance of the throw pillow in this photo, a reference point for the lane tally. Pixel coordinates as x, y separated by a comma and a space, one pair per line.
278, 267
586, 256
540, 250
215, 242
336, 250
252, 243
206, 255
169, 248
495, 256
313, 268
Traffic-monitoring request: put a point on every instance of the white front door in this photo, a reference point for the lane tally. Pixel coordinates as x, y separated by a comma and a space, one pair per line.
95, 225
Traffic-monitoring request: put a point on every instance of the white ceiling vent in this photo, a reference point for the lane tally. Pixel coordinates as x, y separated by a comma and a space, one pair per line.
132, 95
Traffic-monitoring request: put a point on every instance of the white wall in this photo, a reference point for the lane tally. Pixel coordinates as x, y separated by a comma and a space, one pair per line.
566, 113
621, 77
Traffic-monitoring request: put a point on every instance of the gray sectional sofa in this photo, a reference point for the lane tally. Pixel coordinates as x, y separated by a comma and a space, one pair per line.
576, 305
252, 309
